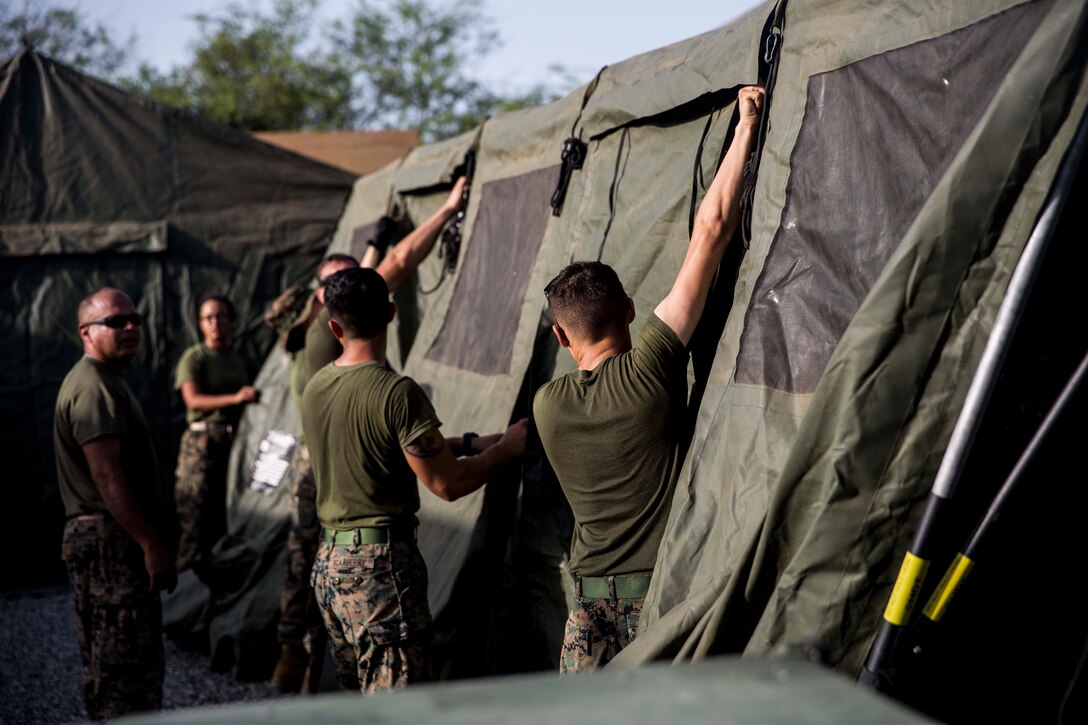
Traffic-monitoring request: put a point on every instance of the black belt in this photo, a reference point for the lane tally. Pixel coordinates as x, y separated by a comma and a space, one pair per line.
368, 535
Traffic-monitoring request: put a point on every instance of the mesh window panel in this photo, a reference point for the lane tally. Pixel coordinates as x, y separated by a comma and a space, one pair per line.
360, 237
877, 135
478, 332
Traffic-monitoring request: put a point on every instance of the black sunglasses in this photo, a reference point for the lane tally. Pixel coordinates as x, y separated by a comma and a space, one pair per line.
118, 322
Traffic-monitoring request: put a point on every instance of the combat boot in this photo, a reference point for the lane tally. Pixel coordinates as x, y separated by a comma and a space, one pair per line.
291, 668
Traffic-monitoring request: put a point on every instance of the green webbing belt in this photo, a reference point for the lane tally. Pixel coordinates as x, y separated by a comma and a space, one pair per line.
625, 586
367, 535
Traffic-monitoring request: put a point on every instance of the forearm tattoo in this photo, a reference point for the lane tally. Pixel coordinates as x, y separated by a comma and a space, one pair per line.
427, 445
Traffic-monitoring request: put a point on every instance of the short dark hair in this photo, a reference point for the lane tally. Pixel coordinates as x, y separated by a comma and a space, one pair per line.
336, 257
358, 299
588, 299
221, 299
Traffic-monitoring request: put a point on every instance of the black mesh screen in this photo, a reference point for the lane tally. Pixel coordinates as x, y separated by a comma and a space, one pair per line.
877, 135
478, 333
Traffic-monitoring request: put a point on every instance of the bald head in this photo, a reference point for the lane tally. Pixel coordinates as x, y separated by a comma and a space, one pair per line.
109, 327
90, 308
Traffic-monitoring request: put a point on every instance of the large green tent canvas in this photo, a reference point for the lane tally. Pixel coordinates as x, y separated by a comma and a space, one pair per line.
906, 154
101, 187
840, 381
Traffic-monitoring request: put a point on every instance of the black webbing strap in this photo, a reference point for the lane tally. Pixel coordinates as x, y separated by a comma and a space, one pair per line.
449, 246
697, 179
573, 151
572, 158
613, 189
450, 249
768, 74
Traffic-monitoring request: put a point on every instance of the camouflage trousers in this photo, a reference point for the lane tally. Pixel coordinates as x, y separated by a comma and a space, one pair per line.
373, 598
118, 622
299, 614
200, 491
596, 631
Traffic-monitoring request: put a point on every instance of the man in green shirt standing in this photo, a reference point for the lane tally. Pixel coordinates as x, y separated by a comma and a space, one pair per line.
371, 432
300, 620
109, 482
214, 384
312, 346
612, 430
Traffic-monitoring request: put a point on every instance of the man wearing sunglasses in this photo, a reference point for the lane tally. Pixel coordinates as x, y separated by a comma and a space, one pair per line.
312, 346
108, 477
213, 380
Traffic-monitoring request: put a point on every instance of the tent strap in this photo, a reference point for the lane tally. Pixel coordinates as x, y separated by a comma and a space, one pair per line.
573, 151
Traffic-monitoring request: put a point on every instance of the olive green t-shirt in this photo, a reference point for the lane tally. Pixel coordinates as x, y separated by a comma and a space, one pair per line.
613, 436
215, 372
95, 402
297, 377
357, 420
322, 347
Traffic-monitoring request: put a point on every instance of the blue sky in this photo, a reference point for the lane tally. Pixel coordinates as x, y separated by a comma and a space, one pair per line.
582, 36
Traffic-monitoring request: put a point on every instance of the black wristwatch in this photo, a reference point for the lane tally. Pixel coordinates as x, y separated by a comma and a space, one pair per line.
466, 444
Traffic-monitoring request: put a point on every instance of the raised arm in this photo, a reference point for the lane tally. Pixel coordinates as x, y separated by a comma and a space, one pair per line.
372, 256
104, 461
451, 478
715, 223
403, 258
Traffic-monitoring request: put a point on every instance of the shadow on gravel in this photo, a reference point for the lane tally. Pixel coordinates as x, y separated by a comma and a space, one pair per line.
40, 668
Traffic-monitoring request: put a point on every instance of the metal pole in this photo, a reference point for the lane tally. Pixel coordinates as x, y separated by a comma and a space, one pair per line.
912, 573
965, 561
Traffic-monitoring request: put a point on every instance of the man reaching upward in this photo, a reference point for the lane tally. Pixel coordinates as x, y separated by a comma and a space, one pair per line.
371, 433
312, 346
612, 429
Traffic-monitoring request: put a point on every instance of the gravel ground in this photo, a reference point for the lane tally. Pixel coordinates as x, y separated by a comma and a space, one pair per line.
40, 668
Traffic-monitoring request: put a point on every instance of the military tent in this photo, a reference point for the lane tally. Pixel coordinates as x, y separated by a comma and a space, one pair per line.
905, 158
101, 187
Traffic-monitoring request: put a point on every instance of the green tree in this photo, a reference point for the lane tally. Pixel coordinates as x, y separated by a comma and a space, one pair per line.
252, 70
401, 64
409, 61
64, 34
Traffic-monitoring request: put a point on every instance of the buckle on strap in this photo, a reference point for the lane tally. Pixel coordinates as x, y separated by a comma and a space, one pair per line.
208, 426
624, 586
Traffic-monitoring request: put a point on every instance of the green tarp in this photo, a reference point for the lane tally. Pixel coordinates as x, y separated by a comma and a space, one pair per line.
100, 187
772, 691
794, 508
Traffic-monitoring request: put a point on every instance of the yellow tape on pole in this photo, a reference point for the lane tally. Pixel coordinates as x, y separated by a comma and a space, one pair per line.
905, 591
950, 584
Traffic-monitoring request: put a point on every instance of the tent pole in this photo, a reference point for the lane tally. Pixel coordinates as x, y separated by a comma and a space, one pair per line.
963, 563
878, 671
